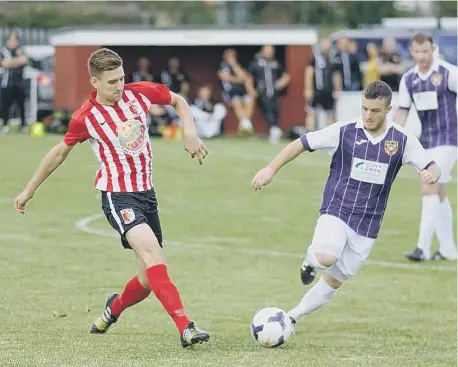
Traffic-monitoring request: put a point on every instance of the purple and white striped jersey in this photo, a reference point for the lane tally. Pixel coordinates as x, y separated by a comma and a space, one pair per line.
434, 97
363, 169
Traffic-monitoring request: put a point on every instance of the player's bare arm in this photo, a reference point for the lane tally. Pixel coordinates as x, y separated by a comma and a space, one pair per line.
193, 144
14, 62
431, 174
400, 116
50, 162
266, 175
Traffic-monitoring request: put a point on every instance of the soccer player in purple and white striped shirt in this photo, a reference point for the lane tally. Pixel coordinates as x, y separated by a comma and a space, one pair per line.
366, 157
431, 87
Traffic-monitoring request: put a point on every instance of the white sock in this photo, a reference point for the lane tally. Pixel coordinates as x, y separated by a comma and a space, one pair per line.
444, 230
429, 213
318, 296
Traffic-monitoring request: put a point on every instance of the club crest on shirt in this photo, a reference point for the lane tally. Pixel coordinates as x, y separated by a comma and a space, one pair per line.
127, 215
391, 147
134, 108
436, 79
131, 135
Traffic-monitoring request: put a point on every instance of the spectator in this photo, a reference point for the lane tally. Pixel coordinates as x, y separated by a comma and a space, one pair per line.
391, 68
347, 63
12, 61
372, 72
208, 113
160, 119
320, 80
270, 80
237, 90
174, 78
143, 73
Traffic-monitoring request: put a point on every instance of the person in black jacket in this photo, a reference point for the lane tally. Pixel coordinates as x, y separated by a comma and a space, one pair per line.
270, 80
12, 62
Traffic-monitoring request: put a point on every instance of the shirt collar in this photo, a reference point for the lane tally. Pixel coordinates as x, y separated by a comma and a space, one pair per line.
434, 67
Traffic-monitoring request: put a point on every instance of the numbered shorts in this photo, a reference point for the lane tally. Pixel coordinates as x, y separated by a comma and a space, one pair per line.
334, 237
445, 158
125, 210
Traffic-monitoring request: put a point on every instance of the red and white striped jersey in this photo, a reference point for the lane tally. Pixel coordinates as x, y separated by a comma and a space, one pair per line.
118, 135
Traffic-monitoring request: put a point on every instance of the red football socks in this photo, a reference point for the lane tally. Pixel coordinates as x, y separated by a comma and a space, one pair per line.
133, 293
167, 294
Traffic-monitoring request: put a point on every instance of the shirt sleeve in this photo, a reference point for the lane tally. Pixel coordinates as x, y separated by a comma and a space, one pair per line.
77, 132
404, 100
326, 139
155, 93
415, 155
452, 79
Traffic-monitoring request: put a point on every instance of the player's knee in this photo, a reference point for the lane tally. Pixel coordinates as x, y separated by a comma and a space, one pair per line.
321, 260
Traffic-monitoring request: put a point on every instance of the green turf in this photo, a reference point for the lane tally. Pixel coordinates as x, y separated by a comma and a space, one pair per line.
55, 278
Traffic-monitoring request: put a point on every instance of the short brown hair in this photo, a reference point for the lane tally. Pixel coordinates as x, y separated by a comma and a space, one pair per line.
102, 60
378, 89
421, 38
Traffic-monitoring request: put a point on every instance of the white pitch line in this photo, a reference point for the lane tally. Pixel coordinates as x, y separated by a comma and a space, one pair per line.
15, 236
83, 225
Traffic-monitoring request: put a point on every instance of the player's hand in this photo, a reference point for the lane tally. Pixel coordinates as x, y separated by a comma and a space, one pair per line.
428, 177
262, 178
21, 201
194, 146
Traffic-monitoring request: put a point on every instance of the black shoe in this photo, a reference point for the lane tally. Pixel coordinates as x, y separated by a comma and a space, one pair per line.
103, 322
416, 255
193, 335
308, 273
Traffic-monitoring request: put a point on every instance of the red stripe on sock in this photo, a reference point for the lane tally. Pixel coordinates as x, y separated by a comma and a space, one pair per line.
167, 293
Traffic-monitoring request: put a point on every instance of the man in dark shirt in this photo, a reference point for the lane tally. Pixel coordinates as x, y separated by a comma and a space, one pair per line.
143, 73
12, 62
320, 81
391, 68
270, 80
348, 65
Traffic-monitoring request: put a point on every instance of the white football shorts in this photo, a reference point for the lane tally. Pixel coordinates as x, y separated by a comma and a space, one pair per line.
334, 237
445, 158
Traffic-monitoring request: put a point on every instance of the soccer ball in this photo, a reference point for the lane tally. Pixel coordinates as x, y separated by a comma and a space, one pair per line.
271, 327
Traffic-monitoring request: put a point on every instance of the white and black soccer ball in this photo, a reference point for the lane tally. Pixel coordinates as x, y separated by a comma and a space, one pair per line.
271, 327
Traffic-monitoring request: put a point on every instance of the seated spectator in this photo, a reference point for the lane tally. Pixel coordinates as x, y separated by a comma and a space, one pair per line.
208, 113
372, 72
237, 89
143, 73
160, 119
391, 68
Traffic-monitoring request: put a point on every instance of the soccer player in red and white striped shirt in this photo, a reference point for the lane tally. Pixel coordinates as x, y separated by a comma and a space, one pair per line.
114, 121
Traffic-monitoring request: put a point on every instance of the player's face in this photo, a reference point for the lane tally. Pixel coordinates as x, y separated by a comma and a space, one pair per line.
110, 85
422, 53
373, 112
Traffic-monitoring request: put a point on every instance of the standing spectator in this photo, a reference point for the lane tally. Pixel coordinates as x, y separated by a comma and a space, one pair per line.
143, 73
208, 113
372, 72
270, 80
348, 65
237, 90
12, 61
391, 68
319, 80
